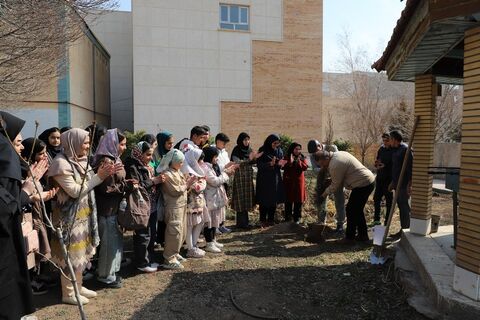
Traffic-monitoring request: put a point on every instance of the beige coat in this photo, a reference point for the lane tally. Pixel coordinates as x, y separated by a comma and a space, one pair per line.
346, 171
174, 189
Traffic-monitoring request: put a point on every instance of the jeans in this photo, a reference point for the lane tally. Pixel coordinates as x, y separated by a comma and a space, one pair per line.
404, 207
141, 239
296, 208
381, 190
339, 198
110, 254
355, 214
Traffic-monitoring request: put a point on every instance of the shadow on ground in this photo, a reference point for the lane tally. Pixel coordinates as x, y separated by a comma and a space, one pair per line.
334, 292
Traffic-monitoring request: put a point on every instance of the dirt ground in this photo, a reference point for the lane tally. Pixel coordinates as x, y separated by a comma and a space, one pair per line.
269, 273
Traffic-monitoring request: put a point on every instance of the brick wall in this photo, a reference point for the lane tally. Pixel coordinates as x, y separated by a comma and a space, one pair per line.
286, 81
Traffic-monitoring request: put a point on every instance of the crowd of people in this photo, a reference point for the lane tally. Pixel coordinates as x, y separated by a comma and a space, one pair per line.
86, 187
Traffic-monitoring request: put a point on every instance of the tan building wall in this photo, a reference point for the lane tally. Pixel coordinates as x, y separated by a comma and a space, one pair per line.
286, 81
89, 78
80, 95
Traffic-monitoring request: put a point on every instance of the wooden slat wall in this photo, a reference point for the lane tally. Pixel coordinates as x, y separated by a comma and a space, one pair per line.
425, 95
468, 242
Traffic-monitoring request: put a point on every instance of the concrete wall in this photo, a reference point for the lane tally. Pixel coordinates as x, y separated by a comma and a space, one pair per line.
114, 30
447, 155
287, 80
184, 65
89, 83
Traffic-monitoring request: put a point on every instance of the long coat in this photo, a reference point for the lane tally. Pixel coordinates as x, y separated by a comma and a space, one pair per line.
294, 180
15, 291
270, 188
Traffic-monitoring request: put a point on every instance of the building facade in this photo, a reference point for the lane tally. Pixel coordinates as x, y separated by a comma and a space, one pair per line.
76, 98
244, 65
114, 30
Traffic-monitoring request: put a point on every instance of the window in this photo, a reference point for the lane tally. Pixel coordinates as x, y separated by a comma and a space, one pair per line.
234, 17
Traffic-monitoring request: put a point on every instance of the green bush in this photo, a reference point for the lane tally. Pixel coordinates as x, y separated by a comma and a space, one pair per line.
285, 142
132, 139
343, 145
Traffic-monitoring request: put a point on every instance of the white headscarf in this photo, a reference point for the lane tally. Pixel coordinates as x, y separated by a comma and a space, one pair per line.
173, 156
190, 165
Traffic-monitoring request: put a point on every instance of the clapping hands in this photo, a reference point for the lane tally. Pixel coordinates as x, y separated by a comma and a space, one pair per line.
38, 169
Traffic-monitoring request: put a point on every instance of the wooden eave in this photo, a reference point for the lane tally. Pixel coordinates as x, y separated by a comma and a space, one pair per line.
431, 37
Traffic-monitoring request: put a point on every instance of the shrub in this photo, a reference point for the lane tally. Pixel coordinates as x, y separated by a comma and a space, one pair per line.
285, 142
132, 139
343, 145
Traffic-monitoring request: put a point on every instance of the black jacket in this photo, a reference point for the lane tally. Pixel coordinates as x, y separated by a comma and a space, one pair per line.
384, 155
15, 291
397, 162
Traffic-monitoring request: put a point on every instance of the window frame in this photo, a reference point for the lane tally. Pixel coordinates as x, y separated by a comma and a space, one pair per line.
235, 26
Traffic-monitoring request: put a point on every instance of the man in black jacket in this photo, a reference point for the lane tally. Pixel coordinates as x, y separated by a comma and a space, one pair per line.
399, 151
383, 163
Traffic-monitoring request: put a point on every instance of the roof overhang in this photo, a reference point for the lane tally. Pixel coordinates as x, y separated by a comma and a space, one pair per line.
428, 38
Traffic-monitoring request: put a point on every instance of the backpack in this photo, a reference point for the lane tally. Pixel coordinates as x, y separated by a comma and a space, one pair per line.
136, 210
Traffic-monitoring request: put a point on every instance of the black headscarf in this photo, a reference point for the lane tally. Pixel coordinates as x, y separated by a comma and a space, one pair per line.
267, 145
9, 158
210, 153
162, 138
28, 145
51, 150
150, 138
240, 151
100, 130
291, 148
65, 129
11, 126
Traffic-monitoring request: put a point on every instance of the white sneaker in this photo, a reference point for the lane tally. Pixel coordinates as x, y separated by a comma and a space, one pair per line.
195, 253
200, 250
148, 269
212, 248
73, 300
88, 293
180, 258
218, 245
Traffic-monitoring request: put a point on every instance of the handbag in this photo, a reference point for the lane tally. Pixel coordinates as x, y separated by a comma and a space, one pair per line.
134, 209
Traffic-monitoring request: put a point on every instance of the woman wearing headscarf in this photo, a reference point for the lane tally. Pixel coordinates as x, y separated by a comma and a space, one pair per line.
165, 144
35, 152
15, 291
138, 168
270, 190
75, 208
51, 137
294, 180
197, 213
109, 194
150, 138
243, 190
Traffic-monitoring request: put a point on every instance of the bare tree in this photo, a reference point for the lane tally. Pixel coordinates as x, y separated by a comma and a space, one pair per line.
448, 114
34, 37
364, 91
329, 130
